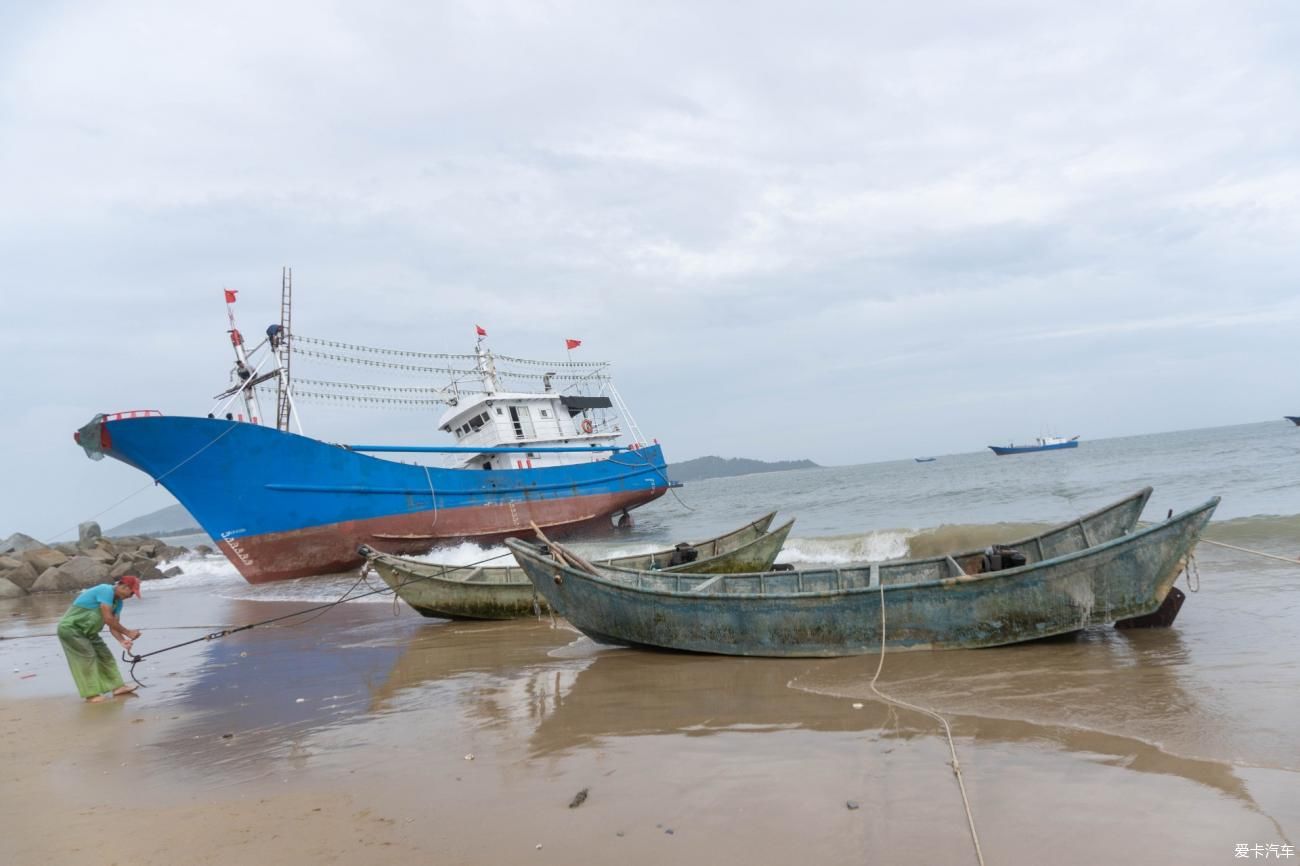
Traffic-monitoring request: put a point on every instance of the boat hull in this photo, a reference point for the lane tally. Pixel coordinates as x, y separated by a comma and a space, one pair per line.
1004, 450
1294, 419
505, 592
282, 506
789, 614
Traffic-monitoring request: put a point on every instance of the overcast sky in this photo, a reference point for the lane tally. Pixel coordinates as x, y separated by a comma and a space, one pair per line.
847, 232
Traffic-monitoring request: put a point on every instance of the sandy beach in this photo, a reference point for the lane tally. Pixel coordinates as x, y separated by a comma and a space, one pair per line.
370, 734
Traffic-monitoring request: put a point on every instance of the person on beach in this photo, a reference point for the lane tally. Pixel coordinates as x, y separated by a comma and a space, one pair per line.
93, 666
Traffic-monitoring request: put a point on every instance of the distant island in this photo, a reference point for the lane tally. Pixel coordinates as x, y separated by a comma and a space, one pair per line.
726, 467
172, 520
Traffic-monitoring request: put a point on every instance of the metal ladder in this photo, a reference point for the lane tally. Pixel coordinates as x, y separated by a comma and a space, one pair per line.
282, 405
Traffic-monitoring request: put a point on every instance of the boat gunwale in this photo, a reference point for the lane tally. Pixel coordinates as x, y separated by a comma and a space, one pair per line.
943, 582
406, 562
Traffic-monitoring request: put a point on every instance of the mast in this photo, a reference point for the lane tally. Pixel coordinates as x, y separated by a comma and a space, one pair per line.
283, 405
251, 404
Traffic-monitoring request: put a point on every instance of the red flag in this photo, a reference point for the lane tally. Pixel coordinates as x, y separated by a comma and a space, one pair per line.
230, 295
481, 332
572, 344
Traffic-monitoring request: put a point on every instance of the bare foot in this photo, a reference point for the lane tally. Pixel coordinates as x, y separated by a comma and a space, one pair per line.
125, 690
95, 699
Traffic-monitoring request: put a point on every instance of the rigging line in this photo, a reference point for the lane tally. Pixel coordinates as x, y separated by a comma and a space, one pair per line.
154, 483
661, 473
956, 767
1287, 560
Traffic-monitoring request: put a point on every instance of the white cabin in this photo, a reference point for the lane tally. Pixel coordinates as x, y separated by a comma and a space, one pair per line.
517, 420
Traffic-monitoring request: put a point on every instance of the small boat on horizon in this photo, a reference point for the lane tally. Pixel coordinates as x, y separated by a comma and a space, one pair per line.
1294, 419
1042, 443
924, 459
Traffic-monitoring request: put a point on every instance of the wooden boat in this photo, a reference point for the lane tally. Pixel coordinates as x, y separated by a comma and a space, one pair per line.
504, 592
1070, 580
1042, 443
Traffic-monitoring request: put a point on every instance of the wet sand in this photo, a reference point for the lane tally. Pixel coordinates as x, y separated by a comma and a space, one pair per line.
347, 739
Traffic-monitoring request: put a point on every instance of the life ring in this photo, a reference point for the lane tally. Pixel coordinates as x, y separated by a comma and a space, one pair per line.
586, 425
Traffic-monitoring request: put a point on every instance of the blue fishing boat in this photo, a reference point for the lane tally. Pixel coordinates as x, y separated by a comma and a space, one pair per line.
1089, 572
1042, 443
282, 504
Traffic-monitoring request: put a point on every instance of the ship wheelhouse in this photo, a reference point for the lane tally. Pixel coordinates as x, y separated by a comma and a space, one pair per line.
517, 420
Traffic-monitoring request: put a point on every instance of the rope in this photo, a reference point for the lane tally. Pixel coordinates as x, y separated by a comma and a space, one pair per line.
153, 483
152, 628
1193, 573
956, 767
1248, 550
433, 497
661, 473
134, 659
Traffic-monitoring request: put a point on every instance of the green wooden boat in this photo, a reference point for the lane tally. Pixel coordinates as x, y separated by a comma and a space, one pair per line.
1089, 572
504, 592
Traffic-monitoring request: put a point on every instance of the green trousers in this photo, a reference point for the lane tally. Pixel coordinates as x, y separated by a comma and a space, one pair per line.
93, 667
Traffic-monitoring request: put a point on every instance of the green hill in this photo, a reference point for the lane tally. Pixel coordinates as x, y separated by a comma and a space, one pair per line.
726, 467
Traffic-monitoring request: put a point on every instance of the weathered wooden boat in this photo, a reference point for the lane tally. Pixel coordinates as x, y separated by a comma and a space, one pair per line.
1042, 443
505, 592
1068, 581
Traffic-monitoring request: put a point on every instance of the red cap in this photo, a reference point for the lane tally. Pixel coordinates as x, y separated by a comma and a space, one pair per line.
131, 582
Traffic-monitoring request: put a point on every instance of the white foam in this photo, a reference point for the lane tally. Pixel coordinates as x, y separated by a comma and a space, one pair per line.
847, 549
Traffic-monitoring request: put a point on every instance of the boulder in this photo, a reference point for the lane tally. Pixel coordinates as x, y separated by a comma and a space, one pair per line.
24, 575
149, 549
124, 564
67, 547
148, 572
9, 589
166, 552
100, 555
88, 533
174, 571
79, 572
8, 563
204, 550
19, 543
43, 558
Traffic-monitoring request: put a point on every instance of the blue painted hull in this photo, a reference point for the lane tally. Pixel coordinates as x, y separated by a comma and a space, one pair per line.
1004, 450
282, 505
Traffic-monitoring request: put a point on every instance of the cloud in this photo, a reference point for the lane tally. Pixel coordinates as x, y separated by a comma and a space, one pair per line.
871, 214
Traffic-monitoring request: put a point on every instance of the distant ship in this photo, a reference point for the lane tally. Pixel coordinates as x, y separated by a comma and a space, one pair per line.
924, 459
1042, 443
1294, 419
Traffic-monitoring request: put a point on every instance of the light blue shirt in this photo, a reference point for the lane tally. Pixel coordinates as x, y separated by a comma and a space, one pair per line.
92, 598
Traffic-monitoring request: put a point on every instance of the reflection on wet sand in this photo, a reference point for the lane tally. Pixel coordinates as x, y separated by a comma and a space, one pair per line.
1112, 710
